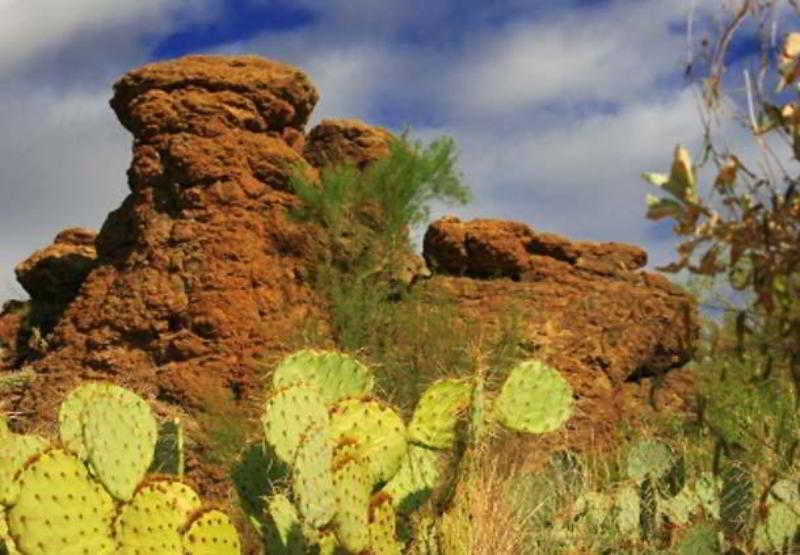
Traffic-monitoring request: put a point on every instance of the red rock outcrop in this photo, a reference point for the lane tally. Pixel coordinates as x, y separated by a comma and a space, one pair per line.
56, 272
200, 268
582, 306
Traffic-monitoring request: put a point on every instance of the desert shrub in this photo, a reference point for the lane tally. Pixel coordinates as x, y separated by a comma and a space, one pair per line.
363, 267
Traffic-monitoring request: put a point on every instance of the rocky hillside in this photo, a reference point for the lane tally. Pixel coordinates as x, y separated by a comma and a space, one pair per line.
201, 270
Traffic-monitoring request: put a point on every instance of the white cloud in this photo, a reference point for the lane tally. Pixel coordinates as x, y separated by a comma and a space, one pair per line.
31, 28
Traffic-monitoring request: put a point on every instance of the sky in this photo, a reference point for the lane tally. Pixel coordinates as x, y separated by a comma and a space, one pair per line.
556, 106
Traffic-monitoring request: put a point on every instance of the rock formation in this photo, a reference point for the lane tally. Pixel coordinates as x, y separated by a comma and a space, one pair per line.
201, 268
582, 306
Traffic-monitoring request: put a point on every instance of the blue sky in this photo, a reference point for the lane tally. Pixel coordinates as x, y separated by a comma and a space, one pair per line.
557, 106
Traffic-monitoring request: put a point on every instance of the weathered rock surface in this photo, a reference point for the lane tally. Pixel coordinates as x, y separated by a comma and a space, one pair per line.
334, 141
56, 272
582, 306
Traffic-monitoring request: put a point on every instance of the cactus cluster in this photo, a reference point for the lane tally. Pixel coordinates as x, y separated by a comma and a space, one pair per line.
90, 492
352, 462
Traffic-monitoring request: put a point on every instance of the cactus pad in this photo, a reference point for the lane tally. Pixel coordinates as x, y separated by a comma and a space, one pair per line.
437, 413
418, 475
335, 374
379, 431
700, 539
778, 529
534, 399
151, 521
680, 508
352, 486
650, 458
311, 476
60, 509
285, 534
120, 435
71, 414
15, 449
288, 414
626, 509
211, 532
593, 508
383, 526
4, 431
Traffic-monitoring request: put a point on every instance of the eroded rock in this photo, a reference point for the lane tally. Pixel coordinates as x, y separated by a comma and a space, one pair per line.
581, 306
335, 141
56, 272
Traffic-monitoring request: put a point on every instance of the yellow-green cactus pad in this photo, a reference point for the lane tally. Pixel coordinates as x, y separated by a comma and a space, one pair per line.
415, 480
777, 531
379, 430
120, 436
60, 509
284, 534
312, 481
383, 526
351, 520
211, 533
15, 450
4, 431
335, 374
650, 458
535, 399
7, 545
626, 511
288, 414
71, 415
438, 412
152, 520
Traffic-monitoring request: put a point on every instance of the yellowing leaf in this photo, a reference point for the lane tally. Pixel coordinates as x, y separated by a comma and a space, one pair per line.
657, 179
789, 65
659, 208
727, 173
681, 178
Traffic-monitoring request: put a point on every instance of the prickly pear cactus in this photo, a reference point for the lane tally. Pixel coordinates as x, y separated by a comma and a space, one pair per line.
352, 485
211, 532
288, 414
650, 458
700, 539
15, 449
335, 374
312, 480
7, 545
383, 526
535, 399
776, 533
4, 431
71, 416
415, 480
438, 412
626, 510
593, 508
284, 533
60, 509
169, 457
379, 431
151, 521
120, 435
